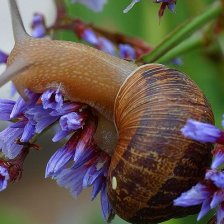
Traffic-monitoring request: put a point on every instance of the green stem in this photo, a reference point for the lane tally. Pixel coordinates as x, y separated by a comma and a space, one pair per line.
184, 31
194, 42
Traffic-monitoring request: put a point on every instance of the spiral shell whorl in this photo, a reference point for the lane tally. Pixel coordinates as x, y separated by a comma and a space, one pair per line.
153, 163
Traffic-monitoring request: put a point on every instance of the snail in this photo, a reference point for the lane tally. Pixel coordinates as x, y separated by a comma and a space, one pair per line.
141, 111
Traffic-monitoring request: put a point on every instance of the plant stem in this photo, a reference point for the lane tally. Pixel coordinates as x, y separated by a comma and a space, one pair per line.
184, 31
190, 44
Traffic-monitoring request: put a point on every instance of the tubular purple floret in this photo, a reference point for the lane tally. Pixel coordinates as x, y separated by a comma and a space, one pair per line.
78, 164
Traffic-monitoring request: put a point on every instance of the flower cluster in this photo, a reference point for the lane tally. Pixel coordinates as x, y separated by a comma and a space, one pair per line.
76, 165
94, 5
122, 50
112, 43
170, 4
98, 5
209, 192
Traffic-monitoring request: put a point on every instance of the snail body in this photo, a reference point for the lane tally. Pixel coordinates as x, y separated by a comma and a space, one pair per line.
152, 163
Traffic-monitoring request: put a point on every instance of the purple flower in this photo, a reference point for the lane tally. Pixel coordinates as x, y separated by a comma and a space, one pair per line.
76, 165
216, 177
6, 107
96, 171
106, 45
209, 194
105, 204
85, 139
202, 132
3, 57
72, 179
61, 157
91, 171
218, 160
38, 26
127, 52
4, 178
8, 139
39, 31
195, 196
90, 37
169, 3
40, 117
72, 121
95, 5
21, 105
177, 61
218, 156
52, 99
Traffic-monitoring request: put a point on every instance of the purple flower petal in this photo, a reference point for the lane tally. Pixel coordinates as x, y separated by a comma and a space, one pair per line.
38, 26
106, 45
60, 135
127, 52
204, 209
6, 107
3, 57
37, 19
201, 131
67, 108
72, 121
61, 157
57, 162
28, 132
105, 204
90, 37
171, 7
52, 99
40, 117
72, 179
8, 142
217, 198
19, 124
220, 215
84, 140
21, 104
4, 178
217, 177
218, 159
195, 196
94, 5
92, 174
89, 154
97, 186
39, 31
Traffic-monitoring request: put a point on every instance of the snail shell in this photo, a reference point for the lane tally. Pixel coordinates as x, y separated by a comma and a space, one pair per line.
152, 163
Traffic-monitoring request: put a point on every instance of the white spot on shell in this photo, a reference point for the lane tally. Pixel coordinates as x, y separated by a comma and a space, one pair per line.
114, 183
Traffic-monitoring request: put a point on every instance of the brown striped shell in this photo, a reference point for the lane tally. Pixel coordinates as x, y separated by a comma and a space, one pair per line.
153, 163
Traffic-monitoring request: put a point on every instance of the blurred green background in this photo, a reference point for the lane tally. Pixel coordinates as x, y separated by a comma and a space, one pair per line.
39, 201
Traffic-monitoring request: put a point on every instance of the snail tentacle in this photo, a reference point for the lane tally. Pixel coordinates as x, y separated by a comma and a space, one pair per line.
18, 27
18, 66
